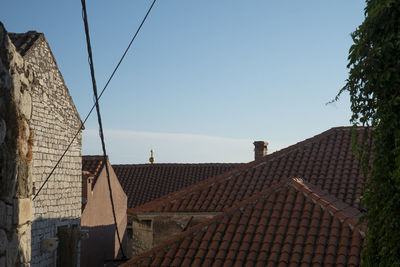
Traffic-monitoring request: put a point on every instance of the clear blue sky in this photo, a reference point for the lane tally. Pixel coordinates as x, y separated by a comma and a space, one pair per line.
204, 78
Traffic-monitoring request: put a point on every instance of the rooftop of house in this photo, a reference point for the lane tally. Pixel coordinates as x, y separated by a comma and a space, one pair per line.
92, 165
325, 160
291, 222
145, 182
24, 41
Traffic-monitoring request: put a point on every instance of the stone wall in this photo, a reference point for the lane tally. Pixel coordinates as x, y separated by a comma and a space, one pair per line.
16, 137
54, 122
151, 229
142, 237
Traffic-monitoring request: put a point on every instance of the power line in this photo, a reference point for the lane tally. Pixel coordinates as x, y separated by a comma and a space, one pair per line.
97, 100
89, 48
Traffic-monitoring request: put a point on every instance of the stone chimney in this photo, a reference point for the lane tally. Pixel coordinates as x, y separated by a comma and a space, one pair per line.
260, 149
87, 186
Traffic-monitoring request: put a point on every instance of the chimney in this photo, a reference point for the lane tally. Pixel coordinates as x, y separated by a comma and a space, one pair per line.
87, 182
260, 149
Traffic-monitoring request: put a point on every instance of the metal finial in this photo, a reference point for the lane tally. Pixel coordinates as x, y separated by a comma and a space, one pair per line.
151, 159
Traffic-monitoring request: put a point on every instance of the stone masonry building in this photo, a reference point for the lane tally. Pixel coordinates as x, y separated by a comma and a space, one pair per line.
38, 119
15, 156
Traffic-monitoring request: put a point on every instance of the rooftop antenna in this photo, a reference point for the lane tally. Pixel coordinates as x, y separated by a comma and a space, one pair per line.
151, 159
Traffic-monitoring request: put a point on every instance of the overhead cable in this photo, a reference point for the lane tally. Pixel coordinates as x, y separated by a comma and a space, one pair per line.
101, 133
94, 105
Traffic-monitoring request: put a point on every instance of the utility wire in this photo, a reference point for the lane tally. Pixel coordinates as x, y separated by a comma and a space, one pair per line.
97, 100
89, 48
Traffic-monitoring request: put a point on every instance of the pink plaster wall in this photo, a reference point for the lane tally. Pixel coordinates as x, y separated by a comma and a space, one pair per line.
97, 217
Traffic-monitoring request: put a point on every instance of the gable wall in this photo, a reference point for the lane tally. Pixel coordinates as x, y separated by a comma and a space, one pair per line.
152, 229
54, 122
97, 218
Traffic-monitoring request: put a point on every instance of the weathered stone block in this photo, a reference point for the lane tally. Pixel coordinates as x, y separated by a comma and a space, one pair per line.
26, 104
9, 217
3, 214
5, 82
24, 81
16, 60
24, 179
24, 243
22, 211
30, 75
2, 261
3, 131
12, 251
16, 92
3, 241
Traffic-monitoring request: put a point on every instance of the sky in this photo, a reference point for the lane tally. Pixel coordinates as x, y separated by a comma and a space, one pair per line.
204, 79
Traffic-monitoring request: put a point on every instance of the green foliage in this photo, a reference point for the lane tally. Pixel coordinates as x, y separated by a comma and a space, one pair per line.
374, 88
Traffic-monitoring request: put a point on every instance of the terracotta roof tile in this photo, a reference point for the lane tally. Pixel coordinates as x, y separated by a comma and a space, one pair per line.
93, 164
322, 160
159, 258
276, 246
145, 182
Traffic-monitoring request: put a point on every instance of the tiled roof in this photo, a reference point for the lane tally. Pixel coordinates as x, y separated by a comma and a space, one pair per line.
291, 223
325, 160
93, 165
24, 41
145, 182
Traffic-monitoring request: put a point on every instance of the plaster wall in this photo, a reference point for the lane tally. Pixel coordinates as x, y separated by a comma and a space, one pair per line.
98, 219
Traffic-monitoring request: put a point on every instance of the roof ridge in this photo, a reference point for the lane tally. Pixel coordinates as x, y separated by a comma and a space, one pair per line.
97, 169
178, 164
297, 183
92, 156
23, 46
236, 171
337, 208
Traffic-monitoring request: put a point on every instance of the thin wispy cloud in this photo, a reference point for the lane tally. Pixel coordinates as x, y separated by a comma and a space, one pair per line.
125, 146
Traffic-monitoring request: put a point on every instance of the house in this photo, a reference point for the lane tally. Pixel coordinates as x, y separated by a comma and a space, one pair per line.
102, 244
143, 183
291, 223
38, 120
297, 205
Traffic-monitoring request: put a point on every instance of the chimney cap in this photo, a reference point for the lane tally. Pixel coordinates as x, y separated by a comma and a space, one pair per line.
260, 142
